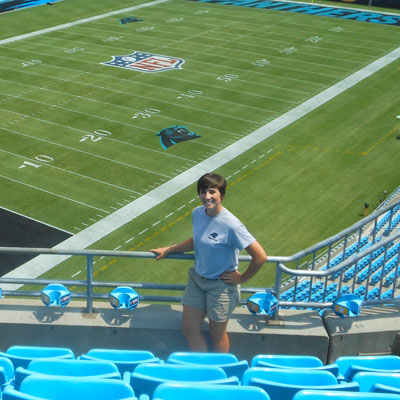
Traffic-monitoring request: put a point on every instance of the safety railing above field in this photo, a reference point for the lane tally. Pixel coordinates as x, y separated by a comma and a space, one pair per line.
362, 259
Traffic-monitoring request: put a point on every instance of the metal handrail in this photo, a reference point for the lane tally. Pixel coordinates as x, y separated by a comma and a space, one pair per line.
367, 227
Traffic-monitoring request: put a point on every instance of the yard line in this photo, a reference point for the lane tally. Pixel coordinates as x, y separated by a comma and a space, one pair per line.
71, 172
37, 53
177, 92
110, 223
149, 98
52, 193
72, 148
74, 23
108, 104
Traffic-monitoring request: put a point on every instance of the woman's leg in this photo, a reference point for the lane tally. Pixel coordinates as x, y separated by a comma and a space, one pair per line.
192, 328
219, 336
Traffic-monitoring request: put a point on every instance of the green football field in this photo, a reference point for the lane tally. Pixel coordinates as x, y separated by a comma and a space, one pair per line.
299, 112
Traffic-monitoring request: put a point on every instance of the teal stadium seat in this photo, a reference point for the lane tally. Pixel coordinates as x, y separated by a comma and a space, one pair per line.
351, 365
147, 377
228, 362
69, 388
21, 356
368, 380
283, 384
6, 371
125, 360
329, 395
180, 391
74, 368
381, 388
292, 361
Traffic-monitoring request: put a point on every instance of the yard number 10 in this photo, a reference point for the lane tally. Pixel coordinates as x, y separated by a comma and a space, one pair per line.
41, 158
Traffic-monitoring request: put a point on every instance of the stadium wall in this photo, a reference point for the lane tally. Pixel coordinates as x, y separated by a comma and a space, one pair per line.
157, 328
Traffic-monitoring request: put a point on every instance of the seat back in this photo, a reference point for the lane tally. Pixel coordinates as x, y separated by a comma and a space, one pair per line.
283, 384
332, 368
228, 362
177, 391
147, 377
10, 393
338, 395
21, 356
367, 380
181, 372
6, 370
288, 376
63, 367
281, 361
380, 388
125, 360
292, 361
70, 388
202, 358
376, 363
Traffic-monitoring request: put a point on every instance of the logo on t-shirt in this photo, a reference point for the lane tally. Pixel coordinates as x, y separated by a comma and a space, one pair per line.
213, 236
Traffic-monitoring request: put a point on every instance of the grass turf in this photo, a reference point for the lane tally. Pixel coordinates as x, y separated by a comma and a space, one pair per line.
305, 183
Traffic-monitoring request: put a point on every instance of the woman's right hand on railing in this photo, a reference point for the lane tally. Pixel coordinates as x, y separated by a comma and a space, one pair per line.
161, 252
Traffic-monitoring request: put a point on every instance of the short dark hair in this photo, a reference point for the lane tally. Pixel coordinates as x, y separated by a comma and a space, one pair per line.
212, 180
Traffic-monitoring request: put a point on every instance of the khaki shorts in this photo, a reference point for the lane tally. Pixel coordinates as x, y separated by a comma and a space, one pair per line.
214, 296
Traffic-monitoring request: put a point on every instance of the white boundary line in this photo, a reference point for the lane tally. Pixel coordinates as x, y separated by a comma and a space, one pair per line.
112, 222
36, 220
81, 21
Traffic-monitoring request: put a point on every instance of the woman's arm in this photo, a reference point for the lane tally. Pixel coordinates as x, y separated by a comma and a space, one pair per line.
259, 257
182, 247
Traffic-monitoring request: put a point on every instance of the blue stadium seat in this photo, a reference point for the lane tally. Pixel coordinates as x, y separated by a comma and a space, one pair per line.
6, 371
11, 394
292, 361
21, 356
350, 365
125, 360
69, 388
73, 368
283, 384
337, 395
228, 362
381, 388
147, 377
367, 380
180, 391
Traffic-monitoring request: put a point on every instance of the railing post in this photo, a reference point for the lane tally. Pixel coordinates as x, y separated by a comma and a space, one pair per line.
278, 282
89, 279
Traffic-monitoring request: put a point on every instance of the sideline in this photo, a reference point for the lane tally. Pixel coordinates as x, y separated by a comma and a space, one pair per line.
100, 229
80, 21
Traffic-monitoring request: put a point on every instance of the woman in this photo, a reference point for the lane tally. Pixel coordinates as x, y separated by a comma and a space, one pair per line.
213, 289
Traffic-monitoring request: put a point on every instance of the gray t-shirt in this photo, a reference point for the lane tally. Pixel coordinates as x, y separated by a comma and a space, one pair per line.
217, 242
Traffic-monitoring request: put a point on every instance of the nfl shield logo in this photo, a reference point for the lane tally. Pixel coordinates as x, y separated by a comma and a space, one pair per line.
146, 62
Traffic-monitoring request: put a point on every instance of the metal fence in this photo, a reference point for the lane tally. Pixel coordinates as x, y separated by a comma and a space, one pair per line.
362, 259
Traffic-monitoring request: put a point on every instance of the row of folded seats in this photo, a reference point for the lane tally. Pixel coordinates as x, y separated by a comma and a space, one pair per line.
37, 373
332, 293
376, 271
381, 265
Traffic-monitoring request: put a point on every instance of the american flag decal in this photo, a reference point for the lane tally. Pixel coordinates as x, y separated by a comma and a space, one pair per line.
146, 62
